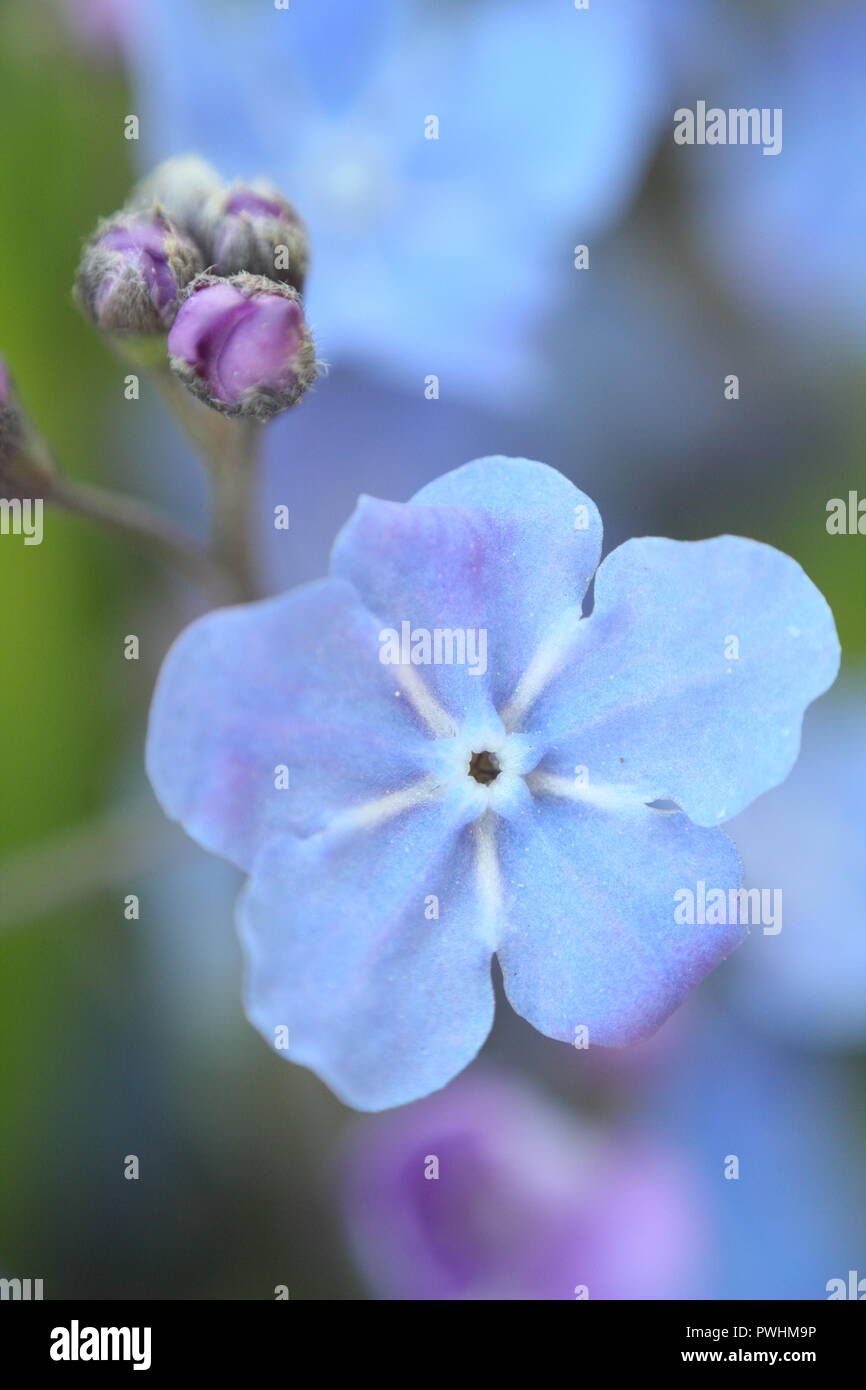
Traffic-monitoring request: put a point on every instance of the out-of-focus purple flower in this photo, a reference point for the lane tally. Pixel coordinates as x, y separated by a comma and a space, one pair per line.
132, 272
5, 386
445, 158
257, 229
242, 345
487, 1191
807, 839
401, 825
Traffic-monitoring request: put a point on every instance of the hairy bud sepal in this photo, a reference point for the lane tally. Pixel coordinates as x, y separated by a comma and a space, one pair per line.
241, 344
253, 227
132, 273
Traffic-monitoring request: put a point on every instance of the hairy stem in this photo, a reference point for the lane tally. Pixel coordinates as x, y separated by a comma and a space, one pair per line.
230, 451
234, 487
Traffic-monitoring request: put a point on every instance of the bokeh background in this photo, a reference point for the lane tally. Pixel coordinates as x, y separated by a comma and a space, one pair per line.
454, 258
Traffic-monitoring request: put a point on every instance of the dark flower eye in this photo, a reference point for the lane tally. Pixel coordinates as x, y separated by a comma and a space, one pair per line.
484, 767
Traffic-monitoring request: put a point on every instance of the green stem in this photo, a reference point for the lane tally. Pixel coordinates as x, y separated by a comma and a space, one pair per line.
234, 489
229, 449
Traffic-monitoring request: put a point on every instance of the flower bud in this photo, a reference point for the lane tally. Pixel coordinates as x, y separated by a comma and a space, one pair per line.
132, 272
25, 467
10, 420
242, 345
254, 228
180, 188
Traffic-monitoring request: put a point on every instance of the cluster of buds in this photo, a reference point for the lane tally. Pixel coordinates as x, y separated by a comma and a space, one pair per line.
213, 275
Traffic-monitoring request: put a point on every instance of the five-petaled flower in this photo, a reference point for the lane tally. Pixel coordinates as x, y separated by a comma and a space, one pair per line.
559, 862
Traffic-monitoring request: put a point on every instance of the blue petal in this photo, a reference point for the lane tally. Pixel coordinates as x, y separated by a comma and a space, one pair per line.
294, 681
589, 930
501, 545
649, 695
385, 1001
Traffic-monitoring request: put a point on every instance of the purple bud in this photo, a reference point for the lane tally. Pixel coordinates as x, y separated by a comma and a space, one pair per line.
256, 204
254, 228
242, 345
132, 272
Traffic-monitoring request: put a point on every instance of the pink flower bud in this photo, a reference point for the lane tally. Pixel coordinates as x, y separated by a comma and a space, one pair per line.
132, 273
242, 345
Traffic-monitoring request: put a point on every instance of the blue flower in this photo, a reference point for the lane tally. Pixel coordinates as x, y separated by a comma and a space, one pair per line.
401, 822
430, 255
771, 1139
806, 983
787, 231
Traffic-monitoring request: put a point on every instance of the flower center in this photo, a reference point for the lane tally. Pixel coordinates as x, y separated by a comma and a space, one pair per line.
484, 767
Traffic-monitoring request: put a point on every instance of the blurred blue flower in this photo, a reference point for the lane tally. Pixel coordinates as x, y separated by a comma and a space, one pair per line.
430, 255
788, 1216
807, 983
787, 231
488, 1191
647, 401
399, 828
